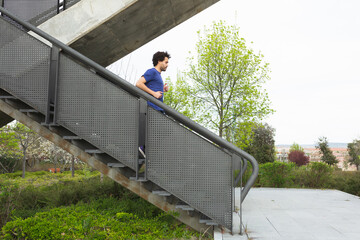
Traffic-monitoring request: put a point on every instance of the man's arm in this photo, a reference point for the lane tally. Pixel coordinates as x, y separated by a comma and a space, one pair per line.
141, 84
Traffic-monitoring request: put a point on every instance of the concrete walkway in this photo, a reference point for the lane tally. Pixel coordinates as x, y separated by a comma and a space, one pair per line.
303, 214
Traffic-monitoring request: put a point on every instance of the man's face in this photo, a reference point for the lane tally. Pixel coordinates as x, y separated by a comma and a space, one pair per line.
164, 64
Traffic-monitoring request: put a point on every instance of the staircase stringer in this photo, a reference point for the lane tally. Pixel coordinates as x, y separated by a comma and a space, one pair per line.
134, 186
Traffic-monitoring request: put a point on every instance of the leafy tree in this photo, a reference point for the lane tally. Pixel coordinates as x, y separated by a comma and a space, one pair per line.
262, 145
9, 150
298, 157
49, 152
296, 147
354, 153
227, 78
178, 97
327, 155
242, 134
27, 138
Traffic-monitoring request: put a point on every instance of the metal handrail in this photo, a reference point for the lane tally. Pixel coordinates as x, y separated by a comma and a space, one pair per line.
139, 93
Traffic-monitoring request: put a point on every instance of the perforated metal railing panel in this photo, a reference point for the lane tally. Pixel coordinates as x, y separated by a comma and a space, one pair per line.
28, 9
24, 66
35, 11
98, 111
189, 167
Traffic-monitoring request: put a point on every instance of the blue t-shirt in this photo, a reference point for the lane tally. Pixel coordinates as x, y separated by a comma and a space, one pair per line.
155, 83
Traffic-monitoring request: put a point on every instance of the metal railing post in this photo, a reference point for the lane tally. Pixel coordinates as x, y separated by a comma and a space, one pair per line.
142, 131
58, 7
233, 182
50, 117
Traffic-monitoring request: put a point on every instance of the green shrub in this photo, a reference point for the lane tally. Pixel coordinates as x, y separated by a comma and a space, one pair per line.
346, 181
353, 186
38, 173
317, 174
24, 197
13, 175
313, 175
8, 196
276, 174
99, 219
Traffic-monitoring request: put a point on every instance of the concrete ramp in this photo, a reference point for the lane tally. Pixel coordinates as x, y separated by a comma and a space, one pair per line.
312, 214
106, 31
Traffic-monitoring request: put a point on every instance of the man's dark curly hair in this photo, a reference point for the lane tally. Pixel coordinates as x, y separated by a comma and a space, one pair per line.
159, 56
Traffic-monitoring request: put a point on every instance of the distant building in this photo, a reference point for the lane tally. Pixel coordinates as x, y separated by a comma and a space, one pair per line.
314, 155
282, 155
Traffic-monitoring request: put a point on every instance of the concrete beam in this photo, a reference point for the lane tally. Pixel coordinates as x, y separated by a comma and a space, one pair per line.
108, 32
134, 186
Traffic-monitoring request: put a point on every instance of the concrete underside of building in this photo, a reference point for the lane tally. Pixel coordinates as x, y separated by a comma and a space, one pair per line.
108, 31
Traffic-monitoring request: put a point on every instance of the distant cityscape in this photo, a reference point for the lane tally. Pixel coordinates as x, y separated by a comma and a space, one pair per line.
331, 145
338, 149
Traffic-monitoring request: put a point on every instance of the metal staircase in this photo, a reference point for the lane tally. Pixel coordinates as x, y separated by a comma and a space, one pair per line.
102, 119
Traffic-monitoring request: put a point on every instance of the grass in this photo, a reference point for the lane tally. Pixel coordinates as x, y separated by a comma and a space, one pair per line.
84, 208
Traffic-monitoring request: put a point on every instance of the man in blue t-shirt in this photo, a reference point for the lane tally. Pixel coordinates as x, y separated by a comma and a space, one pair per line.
151, 82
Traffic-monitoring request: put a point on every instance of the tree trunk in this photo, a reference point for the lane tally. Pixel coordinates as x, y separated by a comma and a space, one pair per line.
55, 162
101, 177
72, 166
221, 129
24, 165
5, 169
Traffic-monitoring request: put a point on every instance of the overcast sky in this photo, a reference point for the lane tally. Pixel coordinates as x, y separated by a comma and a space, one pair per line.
313, 48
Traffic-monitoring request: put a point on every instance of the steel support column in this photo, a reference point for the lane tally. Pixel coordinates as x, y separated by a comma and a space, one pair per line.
50, 118
142, 131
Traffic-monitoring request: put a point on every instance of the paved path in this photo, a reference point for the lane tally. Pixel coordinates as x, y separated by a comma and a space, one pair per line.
299, 214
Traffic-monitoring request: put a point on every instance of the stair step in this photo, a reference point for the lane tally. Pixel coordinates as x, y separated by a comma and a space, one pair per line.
92, 151
185, 207
72, 138
162, 193
50, 124
28, 110
205, 220
116, 165
140, 179
7, 97
211, 224
208, 221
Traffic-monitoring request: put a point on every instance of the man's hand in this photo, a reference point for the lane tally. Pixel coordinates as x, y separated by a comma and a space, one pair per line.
166, 87
158, 94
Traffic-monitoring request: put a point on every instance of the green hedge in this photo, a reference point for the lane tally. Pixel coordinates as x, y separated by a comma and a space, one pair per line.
276, 174
314, 175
